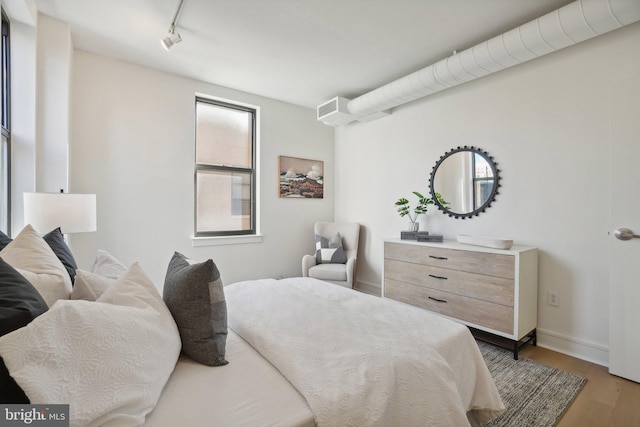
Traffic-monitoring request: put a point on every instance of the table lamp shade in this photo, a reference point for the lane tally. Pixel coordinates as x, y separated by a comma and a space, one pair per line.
73, 213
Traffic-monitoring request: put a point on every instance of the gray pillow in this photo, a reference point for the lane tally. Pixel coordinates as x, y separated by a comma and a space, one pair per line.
329, 251
195, 296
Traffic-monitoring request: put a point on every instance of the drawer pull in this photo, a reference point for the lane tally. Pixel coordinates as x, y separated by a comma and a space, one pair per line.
438, 277
438, 257
437, 300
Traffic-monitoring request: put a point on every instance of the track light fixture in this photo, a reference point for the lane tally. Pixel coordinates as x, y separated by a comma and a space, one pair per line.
173, 37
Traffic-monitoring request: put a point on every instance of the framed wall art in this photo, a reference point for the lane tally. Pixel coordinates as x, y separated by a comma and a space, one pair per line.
301, 178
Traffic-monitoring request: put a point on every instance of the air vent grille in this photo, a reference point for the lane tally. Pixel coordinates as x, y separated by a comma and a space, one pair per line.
335, 112
328, 107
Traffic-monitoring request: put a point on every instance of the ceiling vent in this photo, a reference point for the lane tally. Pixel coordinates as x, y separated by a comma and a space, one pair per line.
335, 112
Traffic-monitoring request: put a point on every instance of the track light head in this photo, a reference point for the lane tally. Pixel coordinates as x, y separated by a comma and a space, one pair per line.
171, 39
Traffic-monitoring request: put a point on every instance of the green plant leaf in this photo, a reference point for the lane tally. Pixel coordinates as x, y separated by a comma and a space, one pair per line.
404, 207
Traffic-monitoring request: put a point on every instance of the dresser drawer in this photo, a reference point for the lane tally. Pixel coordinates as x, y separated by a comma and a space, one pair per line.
490, 315
489, 264
489, 288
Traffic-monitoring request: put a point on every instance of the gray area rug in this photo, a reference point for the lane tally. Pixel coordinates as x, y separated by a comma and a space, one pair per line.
535, 395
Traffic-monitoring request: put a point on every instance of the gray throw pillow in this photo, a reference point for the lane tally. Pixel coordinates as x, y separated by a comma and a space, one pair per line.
329, 251
195, 296
20, 303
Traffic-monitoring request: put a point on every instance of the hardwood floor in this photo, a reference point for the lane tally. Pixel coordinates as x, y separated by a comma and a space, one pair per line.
605, 400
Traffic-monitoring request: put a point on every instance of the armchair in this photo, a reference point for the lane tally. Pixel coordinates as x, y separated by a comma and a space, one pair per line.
343, 274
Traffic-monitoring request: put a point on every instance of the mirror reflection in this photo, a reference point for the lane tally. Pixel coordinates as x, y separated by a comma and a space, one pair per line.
467, 178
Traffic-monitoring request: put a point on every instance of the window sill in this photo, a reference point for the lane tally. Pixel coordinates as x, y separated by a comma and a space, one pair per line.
225, 240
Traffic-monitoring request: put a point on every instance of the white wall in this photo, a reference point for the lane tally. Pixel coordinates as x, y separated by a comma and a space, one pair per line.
132, 143
546, 123
23, 118
41, 59
53, 65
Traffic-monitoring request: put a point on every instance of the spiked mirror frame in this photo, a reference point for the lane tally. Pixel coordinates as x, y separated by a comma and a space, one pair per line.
492, 195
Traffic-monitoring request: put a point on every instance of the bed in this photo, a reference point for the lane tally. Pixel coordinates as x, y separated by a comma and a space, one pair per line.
357, 360
294, 352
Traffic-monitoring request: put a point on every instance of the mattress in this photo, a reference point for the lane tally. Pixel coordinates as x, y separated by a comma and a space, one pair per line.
248, 391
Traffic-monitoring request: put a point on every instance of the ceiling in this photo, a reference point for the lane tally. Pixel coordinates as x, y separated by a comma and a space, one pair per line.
300, 51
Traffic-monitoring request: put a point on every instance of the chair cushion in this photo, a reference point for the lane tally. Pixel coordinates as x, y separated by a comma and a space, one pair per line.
329, 251
336, 272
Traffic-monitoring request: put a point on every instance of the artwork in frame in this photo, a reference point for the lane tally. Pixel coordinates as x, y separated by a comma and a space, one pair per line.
301, 178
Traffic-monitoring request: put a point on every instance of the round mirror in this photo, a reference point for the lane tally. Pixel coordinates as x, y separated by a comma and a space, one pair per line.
466, 180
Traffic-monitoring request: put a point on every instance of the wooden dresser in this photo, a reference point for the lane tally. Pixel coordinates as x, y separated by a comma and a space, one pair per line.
490, 290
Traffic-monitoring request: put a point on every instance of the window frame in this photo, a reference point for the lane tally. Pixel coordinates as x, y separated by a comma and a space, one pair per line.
478, 202
252, 170
5, 125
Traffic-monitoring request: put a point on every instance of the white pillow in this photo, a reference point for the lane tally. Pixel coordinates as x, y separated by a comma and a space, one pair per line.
109, 360
35, 260
106, 265
90, 286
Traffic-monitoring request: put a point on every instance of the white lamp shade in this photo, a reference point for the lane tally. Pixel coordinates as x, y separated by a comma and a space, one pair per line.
73, 213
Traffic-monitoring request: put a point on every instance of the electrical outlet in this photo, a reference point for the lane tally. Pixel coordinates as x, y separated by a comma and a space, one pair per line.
552, 299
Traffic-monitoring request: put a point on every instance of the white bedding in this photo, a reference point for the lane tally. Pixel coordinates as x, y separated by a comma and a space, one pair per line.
248, 392
361, 360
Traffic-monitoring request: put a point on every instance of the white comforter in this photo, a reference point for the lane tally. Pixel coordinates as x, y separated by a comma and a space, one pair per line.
360, 360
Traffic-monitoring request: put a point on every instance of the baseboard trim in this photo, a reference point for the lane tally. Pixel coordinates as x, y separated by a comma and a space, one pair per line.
574, 347
368, 288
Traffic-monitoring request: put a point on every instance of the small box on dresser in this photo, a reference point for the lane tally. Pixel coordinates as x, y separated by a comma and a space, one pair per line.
412, 235
491, 290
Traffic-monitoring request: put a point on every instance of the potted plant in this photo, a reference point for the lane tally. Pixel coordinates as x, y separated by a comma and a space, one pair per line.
404, 209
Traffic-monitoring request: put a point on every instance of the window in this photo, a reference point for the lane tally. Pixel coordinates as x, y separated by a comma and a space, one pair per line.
225, 171
483, 179
5, 216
